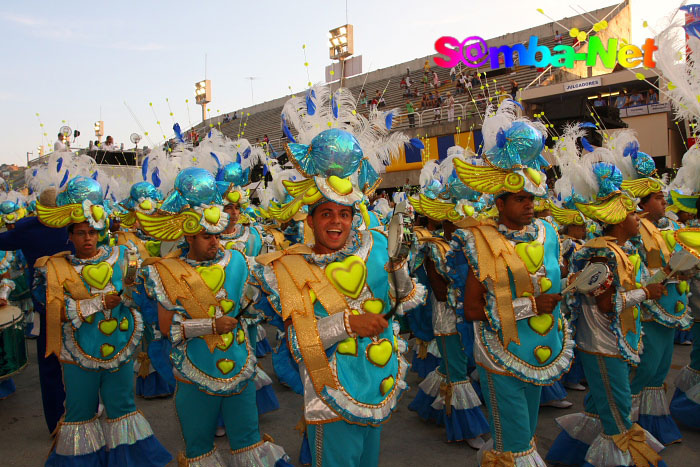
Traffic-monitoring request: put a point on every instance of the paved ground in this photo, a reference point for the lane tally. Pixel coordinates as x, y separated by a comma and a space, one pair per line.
406, 440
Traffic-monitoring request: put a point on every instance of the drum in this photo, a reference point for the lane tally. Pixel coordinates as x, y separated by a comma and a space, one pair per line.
13, 348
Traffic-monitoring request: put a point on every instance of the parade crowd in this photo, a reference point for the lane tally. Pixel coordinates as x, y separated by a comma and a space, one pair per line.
500, 287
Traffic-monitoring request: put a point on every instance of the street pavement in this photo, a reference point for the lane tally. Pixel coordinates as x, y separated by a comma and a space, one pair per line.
406, 440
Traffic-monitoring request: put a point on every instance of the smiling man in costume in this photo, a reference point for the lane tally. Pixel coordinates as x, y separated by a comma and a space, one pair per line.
333, 294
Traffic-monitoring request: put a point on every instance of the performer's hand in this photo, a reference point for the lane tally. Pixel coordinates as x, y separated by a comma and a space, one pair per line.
225, 324
655, 291
367, 325
546, 303
3, 302
111, 301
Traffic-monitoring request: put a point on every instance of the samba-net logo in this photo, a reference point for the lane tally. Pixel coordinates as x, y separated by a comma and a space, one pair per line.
474, 53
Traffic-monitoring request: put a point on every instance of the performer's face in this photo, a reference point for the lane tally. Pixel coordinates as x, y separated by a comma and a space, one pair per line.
655, 206
203, 246
631, 224
331, 223
84, 238
516, 210
234, 211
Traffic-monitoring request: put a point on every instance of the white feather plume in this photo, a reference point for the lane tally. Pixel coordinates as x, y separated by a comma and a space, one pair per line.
684, 76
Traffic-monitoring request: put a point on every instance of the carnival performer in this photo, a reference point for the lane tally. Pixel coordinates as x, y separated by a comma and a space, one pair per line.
446, 396
607, 320
94, 332
200, 293
153, 368
243, 235
507, 279
660, 316
685, 191
332, 296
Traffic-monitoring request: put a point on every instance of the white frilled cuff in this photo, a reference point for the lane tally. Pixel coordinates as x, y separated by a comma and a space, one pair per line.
195, 328
79, 310
6, 288
634, 297
331, 329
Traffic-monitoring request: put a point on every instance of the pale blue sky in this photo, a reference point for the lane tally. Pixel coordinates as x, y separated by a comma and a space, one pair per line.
66, 60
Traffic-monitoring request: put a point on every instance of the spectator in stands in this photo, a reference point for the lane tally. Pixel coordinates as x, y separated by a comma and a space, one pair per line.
411, 114
425, 101
437, 111
460, 85
600, 102
266, 140
380, 99
426, 67
637, 99
514, 88
621, 100
363, 99
436, 80
653, 97
476, 80
450, 107
558, 37
61, 144
235, 115
425, 81
109, 144
373, 105
453, 74
402, 84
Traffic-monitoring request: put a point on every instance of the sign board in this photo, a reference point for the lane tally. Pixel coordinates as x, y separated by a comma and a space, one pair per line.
638, 110
659, 107
582, 84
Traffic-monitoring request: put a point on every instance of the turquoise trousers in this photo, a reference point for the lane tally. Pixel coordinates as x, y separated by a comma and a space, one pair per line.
513, 410
341, 444
198, 413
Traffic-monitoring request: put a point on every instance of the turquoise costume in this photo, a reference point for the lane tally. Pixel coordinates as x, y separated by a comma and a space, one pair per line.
608, 342
511, 375
351, 384
249, 240
656, 244
214, 372
94, 344
446, 396
517, 350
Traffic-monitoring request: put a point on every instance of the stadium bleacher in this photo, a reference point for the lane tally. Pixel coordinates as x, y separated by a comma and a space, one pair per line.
496, 83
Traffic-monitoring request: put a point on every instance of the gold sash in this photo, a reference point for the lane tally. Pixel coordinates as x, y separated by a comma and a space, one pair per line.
60, 276
496, 256
296, 278
625, 271
184, 284
654, 244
